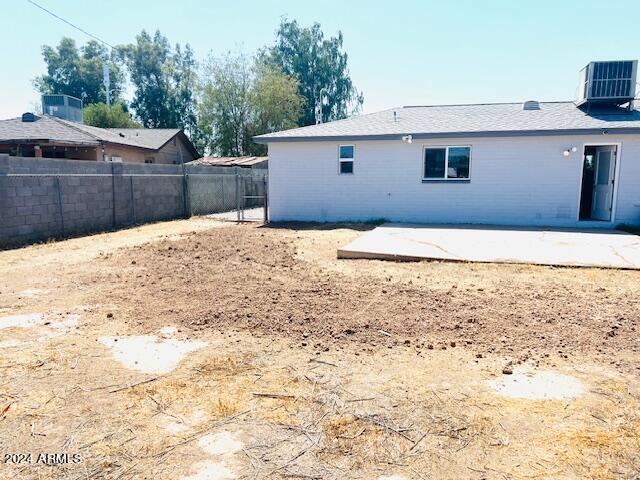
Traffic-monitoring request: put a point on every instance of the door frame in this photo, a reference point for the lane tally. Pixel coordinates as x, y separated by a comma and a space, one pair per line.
616, 174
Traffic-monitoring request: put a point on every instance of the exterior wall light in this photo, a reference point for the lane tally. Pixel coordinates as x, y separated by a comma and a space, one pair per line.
569, 151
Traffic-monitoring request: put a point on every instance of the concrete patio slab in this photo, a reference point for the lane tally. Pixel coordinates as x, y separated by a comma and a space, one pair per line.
404, 242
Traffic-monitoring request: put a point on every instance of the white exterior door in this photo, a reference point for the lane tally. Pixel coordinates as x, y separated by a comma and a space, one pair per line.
605, 167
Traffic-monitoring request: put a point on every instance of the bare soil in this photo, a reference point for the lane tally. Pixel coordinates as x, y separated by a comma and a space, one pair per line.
265, 280
322, 368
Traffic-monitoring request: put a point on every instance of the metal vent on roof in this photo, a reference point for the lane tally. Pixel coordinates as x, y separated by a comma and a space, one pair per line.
531, 105
29, 117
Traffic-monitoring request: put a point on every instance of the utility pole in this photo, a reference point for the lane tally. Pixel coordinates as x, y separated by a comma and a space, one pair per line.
105, 80
318, 106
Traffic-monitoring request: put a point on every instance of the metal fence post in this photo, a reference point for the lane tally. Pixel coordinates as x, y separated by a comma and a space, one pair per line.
185, 192
238, 193
113, 194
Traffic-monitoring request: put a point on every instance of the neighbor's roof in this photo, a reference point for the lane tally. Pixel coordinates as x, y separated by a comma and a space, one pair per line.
44, 129
229, 161
487, 119
52, 129
152, 138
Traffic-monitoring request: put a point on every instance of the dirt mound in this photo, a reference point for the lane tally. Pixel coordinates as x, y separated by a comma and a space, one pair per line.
256, 279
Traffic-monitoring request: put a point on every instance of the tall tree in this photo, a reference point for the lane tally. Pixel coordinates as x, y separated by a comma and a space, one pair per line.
164, 81
109, 116
146, 60
275, 103
320, 65
184, 83
242, 98
78, 71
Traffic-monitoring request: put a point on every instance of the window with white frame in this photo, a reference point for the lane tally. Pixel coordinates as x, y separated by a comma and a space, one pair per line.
346, 156
447, 163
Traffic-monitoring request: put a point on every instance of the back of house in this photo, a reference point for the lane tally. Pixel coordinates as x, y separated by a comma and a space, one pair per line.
567, 164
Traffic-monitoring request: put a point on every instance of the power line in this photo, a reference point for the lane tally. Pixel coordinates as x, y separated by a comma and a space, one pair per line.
70, 24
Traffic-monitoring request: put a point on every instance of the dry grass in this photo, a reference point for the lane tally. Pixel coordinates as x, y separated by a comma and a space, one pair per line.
359, 410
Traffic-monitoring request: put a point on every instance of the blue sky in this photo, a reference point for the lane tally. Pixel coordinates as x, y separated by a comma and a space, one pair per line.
400, 53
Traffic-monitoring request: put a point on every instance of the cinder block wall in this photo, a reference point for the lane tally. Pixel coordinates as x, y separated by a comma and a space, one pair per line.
59, 198
29, 209
52, 205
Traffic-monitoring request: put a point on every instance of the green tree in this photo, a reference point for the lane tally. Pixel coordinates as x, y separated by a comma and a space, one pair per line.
320, 65
224, 107
78, 72
164, 81
108, 116
184, 84
275, 104
241, 98
146, 60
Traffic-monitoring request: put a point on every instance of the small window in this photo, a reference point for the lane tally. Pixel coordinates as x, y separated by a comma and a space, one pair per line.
116, 159
447, 163
346, 156
148, 160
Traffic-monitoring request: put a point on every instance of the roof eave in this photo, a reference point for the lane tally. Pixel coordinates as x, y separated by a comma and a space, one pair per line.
50, 141
423, 136
129, 145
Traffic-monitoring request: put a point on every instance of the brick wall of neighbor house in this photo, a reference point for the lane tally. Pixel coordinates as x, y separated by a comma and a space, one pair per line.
43, 205
514, 181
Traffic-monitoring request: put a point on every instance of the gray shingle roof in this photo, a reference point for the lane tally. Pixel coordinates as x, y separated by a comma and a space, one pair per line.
53, 129
152, 138
149, 137
496, 119
46, 129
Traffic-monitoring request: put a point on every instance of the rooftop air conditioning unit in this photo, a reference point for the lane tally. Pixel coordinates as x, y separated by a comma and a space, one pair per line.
608, 83
62, 106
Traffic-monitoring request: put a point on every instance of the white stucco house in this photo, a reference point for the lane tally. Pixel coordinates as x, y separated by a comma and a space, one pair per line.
566, 164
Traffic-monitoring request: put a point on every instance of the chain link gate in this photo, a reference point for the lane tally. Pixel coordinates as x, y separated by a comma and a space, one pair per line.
240, 196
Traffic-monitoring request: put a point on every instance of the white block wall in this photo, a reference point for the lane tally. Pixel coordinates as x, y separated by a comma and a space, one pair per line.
514, 181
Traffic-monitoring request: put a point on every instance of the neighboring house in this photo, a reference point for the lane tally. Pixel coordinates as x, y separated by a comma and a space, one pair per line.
244, 162
533, 164
51, 137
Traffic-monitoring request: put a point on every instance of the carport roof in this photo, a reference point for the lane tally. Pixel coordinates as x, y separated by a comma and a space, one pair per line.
487, 119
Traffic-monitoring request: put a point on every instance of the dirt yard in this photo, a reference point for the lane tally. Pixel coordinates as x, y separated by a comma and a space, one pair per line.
201, 350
